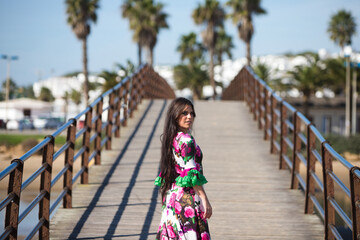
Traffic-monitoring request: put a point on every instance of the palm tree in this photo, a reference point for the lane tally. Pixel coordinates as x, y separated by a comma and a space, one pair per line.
111, 79
262, 70
158, 21
46, 95
223, 46
115, 76
335, 74
146, 19
243, 11
341, 28
66, 97
190, 49
75, 97
130, 11
308, 79
212, 15
12, 88
191, 76
125, 70
80, 14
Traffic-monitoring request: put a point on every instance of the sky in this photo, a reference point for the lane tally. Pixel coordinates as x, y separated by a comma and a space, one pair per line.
36, 31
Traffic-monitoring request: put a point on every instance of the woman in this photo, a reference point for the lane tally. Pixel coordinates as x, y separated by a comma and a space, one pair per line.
185, 208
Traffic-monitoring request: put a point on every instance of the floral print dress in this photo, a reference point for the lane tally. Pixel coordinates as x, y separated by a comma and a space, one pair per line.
182, 215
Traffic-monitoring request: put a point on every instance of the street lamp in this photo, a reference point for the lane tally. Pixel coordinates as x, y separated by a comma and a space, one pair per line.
356, 64
7, 88
347, 54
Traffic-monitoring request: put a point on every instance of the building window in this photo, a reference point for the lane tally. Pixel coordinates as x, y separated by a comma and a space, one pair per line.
27, 113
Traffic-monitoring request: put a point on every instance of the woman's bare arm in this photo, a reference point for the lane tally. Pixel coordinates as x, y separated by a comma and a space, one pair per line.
199, 190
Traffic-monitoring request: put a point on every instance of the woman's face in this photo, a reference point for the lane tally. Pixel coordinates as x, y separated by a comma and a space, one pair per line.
186, 119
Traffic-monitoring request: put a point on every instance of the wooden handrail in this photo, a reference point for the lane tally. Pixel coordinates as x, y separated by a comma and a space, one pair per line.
123, 99
287, 138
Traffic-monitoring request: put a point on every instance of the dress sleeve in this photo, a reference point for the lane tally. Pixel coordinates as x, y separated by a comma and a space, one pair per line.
191, 174
159, 180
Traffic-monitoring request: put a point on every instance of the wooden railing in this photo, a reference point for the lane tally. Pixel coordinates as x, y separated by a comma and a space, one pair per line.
117, 104
301, 146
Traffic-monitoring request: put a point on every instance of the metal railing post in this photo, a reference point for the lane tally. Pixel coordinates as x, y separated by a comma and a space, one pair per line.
328, 193
283, 134
98, 128
141, 85
261, 106
12, 210
69, 160
109, 126
253, 97
118, 110
310, 182
45, 186
242, 88
126, 103
272, 123
256, 99
247, 88
267, 122
132, 98
297, 148
355, 201
86, 144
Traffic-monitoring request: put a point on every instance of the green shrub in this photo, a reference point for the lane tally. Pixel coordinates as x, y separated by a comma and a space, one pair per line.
343, 144
10, 140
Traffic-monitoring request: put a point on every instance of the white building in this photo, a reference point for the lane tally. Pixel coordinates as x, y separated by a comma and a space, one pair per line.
60, 85
20, 108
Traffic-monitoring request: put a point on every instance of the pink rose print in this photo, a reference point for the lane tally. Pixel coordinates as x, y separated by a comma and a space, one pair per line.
172, 199
176, 146
177, 208
180, 194
164, 237
189, 212
163, 232
171, 232
183, 149
205, 236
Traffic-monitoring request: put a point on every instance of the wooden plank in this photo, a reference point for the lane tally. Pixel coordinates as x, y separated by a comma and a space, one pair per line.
251, 198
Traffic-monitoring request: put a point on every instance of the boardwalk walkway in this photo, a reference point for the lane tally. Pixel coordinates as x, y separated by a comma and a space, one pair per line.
251, 198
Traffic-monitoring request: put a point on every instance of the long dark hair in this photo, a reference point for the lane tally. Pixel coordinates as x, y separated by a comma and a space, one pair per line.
167, 164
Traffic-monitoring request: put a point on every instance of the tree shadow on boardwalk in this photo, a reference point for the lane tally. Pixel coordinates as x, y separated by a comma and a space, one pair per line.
116, 219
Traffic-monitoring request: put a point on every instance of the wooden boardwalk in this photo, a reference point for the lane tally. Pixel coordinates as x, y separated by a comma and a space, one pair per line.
251, 198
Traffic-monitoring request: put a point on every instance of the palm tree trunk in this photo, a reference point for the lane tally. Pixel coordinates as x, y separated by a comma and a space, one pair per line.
307, 106
197, 93
151, 53
211, 72
149, 56
248, 53
139, 53
85, 71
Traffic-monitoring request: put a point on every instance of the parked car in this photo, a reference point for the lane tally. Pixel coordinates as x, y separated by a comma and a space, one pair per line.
12, 125
39, 123
53, 123
20, 124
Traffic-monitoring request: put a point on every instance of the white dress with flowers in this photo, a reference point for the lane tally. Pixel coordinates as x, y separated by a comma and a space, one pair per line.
182, 211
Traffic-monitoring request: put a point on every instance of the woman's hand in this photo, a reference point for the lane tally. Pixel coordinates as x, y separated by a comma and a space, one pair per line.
207, 209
